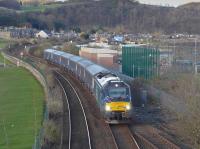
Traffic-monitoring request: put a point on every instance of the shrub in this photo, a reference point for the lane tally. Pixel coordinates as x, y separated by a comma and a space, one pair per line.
51, 132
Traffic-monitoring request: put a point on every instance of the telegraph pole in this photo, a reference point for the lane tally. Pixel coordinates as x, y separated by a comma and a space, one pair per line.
174, 47
4, 61
195, 56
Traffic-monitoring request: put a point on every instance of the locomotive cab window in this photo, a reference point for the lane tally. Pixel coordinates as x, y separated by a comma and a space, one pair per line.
118, 94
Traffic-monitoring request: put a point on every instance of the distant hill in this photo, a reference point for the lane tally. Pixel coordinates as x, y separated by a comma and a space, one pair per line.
35, 1
116, 15
192, 5
10, 4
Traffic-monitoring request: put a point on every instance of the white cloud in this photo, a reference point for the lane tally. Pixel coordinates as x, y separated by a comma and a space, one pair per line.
167, 2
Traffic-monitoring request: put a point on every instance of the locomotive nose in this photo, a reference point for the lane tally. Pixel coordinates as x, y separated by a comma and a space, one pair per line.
118, 106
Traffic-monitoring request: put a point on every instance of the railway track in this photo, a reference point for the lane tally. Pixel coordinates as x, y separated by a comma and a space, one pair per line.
149, 137
79, 135
66, 129
123, 137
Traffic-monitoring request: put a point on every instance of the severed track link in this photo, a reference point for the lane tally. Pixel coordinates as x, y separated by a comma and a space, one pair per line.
149, 137
123, 137
79, 136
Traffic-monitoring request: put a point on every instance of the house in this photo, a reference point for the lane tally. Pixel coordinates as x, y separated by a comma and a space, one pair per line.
22, 33
42, 34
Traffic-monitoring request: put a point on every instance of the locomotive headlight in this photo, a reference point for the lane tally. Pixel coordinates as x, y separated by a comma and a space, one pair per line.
107, 108
128, 107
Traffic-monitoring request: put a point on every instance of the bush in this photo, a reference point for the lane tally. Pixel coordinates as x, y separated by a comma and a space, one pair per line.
55, 108
186, 88
39, 48
51, 132
71, 48
50, 80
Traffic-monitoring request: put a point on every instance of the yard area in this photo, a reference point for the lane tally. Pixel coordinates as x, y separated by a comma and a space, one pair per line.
21, 108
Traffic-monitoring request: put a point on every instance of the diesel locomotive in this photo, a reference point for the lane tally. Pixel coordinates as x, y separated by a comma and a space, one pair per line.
112, 94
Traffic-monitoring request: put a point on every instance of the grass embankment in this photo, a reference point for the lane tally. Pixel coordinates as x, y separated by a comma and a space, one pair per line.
21, 108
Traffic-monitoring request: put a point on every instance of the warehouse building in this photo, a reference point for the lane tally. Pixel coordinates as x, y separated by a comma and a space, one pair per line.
101, 56
140, 62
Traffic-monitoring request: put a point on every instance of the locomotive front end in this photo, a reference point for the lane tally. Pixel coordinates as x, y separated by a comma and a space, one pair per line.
118, 105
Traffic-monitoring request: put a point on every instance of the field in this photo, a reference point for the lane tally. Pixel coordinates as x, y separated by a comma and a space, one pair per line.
2, 43
2, 60
21, 108
39, 8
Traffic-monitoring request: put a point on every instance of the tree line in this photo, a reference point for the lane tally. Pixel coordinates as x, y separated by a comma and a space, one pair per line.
121, 15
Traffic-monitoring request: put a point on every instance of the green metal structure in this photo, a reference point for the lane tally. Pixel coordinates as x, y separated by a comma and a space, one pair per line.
140, 62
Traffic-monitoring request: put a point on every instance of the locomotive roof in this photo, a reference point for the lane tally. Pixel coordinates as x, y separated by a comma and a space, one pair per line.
107, 78
95, 69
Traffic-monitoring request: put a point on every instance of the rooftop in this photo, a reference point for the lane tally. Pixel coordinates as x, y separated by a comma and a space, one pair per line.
99, 50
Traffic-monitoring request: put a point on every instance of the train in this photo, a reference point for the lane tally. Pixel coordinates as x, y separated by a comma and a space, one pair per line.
113, 95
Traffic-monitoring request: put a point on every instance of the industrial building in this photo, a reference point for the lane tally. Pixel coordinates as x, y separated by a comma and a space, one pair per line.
101, 56
140, 62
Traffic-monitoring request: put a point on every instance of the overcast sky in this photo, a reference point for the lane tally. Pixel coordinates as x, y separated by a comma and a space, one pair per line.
165, 2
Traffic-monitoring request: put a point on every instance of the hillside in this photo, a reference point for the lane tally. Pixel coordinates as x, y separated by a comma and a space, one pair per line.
122, 15
118, 15
10, 4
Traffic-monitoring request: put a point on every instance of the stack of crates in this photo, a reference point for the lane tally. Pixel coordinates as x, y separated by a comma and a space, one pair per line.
140, 62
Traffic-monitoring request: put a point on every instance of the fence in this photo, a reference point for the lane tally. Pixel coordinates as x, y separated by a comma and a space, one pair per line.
41, 79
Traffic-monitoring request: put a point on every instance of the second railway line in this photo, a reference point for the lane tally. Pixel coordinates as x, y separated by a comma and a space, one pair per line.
79, 136
123, 137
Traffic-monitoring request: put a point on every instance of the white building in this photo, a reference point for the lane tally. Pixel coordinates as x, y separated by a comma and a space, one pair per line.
42, 34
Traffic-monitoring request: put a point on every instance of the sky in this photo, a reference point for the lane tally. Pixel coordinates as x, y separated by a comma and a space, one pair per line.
167, 2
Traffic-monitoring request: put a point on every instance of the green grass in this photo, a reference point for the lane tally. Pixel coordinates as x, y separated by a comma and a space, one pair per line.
3, 43
21, 108
2, 60
39, 8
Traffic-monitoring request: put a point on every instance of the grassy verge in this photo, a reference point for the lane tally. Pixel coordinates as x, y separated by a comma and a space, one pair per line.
21, 108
